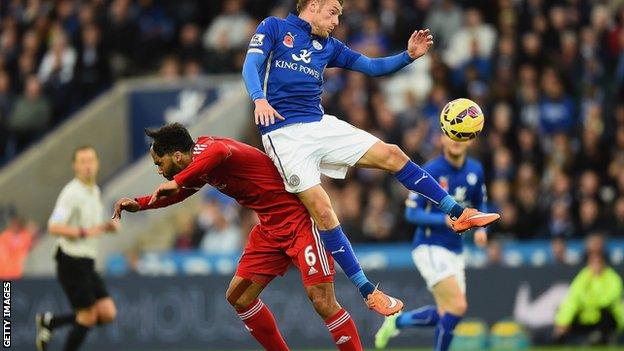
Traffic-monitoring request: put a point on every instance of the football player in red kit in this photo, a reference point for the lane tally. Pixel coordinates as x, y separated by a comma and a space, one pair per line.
285, 234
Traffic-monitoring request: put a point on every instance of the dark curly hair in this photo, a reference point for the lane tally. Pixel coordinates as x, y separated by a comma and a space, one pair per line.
170, 138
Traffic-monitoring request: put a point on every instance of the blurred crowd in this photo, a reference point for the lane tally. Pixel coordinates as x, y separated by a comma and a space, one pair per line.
548, 74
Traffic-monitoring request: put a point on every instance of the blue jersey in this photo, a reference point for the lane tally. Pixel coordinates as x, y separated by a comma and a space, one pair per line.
465, 184
292, 64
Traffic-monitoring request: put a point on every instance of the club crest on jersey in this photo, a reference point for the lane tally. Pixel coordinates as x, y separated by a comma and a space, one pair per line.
317, 45
294, 180
444, 183
289, 40
471, 178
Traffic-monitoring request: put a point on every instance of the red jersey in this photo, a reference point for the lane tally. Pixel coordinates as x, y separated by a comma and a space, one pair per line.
243, 173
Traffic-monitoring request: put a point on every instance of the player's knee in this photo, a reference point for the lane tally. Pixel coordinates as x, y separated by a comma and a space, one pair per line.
324, 216
107, 315
395, 158
87, 317
323, 300
239, 302
459, 306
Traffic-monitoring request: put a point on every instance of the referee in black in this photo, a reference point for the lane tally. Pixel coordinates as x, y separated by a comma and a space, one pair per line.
78, 220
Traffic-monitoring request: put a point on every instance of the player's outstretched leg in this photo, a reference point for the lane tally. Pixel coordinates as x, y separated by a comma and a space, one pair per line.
46, 323
391, 158
258, 319
338, 321
336, 242
426, 316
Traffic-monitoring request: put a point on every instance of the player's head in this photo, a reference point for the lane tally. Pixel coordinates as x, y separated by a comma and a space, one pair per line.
85, 163
321, 14
171, 148
454, 149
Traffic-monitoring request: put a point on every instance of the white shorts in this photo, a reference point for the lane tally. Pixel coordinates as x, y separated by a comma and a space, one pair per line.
302, 151
436, 263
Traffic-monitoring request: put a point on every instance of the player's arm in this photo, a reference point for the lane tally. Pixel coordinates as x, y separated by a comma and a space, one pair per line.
65, 208
258, 52
415, 212
418, 44
181, 187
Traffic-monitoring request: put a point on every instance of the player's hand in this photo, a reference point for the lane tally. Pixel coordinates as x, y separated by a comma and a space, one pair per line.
164, 190
264, 113
480, 238
419, 43
125, 204
112, 226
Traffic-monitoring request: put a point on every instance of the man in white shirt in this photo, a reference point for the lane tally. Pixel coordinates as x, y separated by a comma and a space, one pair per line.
78, 220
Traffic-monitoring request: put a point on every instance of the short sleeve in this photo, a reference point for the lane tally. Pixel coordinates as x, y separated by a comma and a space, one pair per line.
63, 208
263, 39
343, 56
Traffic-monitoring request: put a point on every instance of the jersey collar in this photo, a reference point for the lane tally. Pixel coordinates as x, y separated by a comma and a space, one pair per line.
297, 21
450, 165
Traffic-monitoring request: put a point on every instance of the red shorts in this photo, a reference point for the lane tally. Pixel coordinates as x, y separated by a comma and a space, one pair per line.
266, 256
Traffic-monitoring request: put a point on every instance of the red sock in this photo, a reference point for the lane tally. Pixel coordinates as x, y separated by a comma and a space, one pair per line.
344, 331
260, 322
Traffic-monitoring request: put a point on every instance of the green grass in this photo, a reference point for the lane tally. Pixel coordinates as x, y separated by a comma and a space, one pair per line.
554, 348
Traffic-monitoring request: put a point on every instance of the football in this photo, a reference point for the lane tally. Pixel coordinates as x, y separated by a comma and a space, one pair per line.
461, 119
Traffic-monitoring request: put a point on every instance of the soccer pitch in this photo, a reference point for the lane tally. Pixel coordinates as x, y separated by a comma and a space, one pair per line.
555, 348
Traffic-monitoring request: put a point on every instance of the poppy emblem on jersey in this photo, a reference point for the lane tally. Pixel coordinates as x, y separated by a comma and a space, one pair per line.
294, 180
317, 45
444, 183
289, 40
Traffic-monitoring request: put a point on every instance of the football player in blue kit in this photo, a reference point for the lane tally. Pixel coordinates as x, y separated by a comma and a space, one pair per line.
437, 250
283, 73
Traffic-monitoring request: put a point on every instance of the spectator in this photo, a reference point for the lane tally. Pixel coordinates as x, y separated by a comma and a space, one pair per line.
31, 115
231, 29
593, 307
155, 31
561, 223
56, 73
445, 19
378, 217
617, 228
6, 102
494, 253
475, 39
559, 251
218, 219
556, 107
170, 67
120, 36
15, 243
189, 45
92, 72
188, 236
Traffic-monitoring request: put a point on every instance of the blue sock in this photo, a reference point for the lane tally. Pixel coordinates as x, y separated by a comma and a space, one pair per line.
361, 281
444, 331
451, 207
419, 181
338, 245
426, 316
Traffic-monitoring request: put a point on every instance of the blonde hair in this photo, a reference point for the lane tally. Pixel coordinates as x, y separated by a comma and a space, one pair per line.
302, 4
